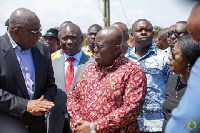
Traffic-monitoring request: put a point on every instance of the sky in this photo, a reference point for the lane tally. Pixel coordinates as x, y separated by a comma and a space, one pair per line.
84, 13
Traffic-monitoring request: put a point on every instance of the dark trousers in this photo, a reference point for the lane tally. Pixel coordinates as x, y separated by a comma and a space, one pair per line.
66, 128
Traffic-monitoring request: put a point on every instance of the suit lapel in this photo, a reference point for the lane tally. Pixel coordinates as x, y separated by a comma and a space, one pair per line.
59, 69
11, 60
39, 64
61, 66
80, 68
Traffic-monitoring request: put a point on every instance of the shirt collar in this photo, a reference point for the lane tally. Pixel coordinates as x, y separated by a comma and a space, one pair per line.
76, 56
151, 49
15, 46
167, 50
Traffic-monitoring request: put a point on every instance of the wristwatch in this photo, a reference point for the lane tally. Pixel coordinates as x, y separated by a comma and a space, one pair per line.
92, 129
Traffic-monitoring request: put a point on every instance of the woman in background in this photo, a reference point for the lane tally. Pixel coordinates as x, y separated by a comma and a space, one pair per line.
184, 54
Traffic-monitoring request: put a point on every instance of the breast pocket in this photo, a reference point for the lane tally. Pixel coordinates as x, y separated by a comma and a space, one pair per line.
153, 76
152, 70
151, 66
115, 91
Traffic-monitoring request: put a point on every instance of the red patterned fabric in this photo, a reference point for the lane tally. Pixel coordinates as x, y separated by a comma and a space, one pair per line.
69, 76
112, 99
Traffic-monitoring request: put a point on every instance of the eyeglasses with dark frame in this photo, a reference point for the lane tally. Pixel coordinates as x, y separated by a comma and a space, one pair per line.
35, 32
177, 34
96, 45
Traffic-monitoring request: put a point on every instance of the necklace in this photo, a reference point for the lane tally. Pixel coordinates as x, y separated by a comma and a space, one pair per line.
177, 88
180, 85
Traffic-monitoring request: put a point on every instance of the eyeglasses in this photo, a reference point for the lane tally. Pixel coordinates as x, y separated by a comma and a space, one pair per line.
177, 34
96, 45
35, 32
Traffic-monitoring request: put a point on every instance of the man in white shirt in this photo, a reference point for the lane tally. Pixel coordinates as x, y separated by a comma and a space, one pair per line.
75, 60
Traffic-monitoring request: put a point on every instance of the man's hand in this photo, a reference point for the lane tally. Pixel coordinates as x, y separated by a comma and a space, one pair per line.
83, 127
39, 107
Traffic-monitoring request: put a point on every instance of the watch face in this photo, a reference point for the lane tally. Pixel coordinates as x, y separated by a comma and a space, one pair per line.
92, 129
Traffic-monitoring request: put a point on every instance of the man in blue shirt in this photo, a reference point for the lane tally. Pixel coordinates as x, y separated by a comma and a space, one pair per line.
27, 83
155, 64
186, 117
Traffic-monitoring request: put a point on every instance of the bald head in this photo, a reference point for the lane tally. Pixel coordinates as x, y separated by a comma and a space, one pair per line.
24, 28
69, 27
107, 48
163, 32
194, 22
181, 26
23, 17
65, 23
94, 26
124, 30
111, 35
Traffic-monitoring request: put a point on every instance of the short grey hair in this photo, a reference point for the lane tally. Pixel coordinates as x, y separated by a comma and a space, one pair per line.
22, 17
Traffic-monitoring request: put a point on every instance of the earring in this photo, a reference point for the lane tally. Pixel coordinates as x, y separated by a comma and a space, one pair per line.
188, 68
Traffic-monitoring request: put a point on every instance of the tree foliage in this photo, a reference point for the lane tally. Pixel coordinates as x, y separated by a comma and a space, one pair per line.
156, 29
84, 39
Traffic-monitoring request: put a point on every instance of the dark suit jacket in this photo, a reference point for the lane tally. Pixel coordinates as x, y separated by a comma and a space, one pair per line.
13, 91
57, 113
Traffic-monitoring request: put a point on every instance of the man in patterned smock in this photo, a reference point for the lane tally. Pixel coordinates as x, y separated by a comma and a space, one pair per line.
110, 93
155, 64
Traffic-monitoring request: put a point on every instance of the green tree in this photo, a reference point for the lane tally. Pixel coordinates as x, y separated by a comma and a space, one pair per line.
84, 39
156, 29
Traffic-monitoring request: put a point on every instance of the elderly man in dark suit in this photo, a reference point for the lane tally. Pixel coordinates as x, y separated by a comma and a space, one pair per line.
67, 68
26, 76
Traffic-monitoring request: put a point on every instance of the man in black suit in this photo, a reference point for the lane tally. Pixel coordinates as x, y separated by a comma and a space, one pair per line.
26, 76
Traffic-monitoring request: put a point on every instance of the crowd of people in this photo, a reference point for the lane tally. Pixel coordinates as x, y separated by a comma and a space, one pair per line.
118, 83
